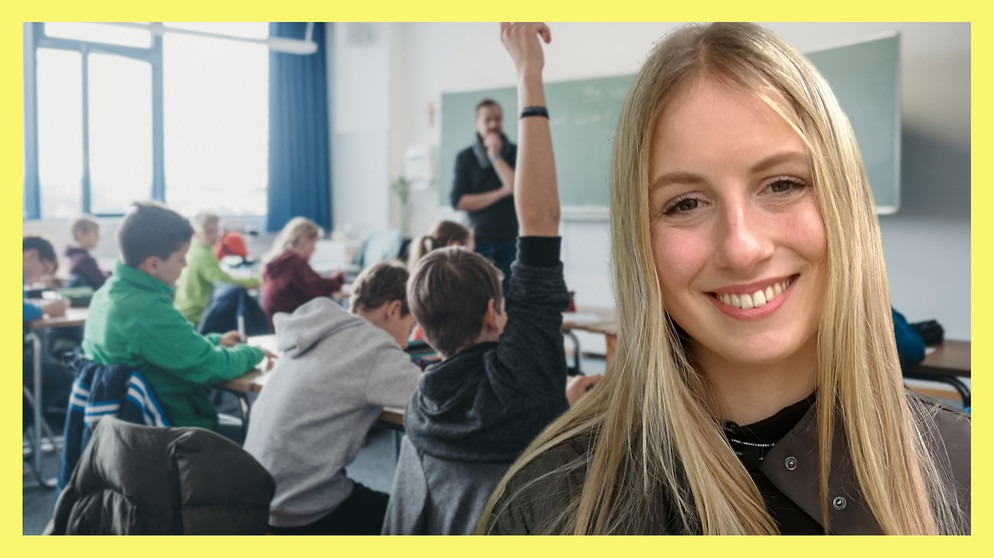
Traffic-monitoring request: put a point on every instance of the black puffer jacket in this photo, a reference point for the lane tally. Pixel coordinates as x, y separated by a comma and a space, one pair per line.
134, 479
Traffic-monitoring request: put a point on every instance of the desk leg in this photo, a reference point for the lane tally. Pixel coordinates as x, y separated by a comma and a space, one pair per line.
956, 383
246, 407
611, 344
37, 345
576, 350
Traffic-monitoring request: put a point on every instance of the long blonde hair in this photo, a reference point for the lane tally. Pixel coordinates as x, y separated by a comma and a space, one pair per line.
652, 426
294, 231
444, 233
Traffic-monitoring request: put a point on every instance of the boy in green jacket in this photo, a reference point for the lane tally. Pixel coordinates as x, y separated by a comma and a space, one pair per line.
132, 320
196, 283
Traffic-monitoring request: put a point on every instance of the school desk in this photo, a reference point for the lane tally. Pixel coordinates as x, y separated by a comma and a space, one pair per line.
74, 317
946, 364
593, 319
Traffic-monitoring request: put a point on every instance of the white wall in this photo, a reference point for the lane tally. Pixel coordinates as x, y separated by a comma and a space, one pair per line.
382, 91
360, 90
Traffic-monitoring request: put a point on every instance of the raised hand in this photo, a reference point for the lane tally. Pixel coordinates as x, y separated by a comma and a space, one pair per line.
536, 197
522, 42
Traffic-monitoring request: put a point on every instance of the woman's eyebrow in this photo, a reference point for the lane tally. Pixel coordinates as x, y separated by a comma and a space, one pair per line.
676, 177
779, 159
686, 177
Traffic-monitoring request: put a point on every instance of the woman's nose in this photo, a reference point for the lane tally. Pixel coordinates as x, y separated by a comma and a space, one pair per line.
743, 237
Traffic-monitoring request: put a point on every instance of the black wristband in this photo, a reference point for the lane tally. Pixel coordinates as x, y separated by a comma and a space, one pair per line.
534, 111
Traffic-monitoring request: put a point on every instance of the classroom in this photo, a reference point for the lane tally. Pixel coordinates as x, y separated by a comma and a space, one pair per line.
378, 164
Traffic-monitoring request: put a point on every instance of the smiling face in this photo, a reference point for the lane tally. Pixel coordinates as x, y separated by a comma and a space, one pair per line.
737, 237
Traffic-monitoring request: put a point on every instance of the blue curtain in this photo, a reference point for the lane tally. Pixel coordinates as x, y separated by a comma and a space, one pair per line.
299, 166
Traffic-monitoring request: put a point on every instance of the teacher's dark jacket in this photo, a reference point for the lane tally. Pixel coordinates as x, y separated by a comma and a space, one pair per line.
475, 174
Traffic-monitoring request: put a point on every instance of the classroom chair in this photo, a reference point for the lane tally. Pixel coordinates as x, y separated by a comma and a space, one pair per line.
389, 244
101, 390
135, 479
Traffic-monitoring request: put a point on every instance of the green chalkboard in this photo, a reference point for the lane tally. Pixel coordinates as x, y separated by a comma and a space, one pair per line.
583, 116
865, 77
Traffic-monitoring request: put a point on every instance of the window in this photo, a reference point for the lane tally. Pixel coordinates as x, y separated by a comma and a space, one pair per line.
216, 124
115, 113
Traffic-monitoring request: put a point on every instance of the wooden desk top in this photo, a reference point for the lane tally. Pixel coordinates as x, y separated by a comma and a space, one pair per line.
253, 380
73, 317
393, 417
595, 317
951, 358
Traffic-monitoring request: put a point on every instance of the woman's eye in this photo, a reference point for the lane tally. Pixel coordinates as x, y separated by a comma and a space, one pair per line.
682, 205
785, 185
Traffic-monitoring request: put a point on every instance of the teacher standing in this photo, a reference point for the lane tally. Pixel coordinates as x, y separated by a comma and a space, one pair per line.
483, 187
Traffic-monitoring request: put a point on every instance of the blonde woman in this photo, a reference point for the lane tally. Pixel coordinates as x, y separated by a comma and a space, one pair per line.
288, 279
756, 387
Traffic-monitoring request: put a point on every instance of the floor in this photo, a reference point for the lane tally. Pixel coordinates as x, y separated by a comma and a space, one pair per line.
373, 467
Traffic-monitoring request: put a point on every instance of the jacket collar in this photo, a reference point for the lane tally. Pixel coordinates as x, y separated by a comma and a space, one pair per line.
792, 466
140, 279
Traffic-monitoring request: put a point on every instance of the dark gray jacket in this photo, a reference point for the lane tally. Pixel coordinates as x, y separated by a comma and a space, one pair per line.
134, 479
473, 413
791, 465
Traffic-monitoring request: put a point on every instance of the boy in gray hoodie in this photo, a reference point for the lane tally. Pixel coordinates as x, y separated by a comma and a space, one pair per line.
337, 372
503, 374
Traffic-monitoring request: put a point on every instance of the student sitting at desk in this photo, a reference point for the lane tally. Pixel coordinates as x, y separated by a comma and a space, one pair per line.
39, 261
203, 271
337, 372
288, 279
83, 268
445, 234
132, 321
503, 374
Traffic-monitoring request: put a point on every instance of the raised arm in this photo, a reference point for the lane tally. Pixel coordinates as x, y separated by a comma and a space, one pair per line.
536, 197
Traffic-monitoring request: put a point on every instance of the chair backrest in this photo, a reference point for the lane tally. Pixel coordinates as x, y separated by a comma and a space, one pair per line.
385, 245
135, 479
101, 390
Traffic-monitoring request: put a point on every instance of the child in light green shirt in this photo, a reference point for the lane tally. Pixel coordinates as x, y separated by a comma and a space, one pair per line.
203, 270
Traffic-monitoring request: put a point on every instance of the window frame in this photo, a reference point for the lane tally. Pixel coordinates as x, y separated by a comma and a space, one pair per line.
35, 38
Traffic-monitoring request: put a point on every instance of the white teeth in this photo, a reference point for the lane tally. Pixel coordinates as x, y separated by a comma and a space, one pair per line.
757, 299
